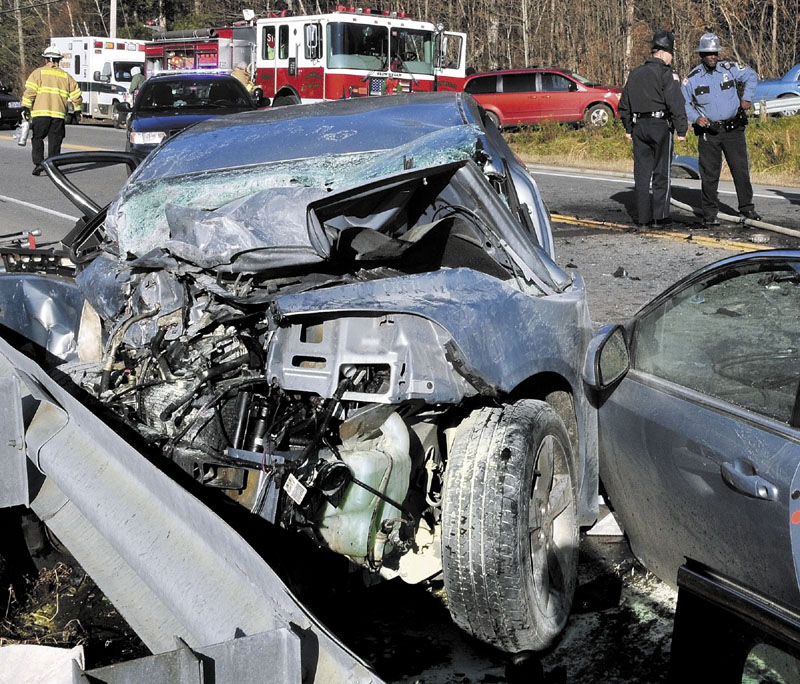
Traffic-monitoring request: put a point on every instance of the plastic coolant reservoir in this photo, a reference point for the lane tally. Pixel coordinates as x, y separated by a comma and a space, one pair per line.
385, 465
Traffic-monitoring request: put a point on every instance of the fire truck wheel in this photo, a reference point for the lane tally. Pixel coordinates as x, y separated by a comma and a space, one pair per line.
283, 100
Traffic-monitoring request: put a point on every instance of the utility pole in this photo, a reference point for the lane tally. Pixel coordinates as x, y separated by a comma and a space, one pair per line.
18, 14
112, 32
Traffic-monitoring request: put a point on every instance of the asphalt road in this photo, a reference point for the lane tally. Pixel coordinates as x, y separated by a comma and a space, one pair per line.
620, 630
609, 197
33, 203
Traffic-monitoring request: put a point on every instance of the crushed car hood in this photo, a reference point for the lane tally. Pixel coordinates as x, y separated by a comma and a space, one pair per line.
246, 198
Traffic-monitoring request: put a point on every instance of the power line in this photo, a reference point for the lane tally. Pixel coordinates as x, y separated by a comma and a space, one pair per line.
37, 4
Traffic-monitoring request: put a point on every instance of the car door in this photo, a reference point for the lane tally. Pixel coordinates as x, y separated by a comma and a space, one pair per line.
519, 100
560, 100
699, 441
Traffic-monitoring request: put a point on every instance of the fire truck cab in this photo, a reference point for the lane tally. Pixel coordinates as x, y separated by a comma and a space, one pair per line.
102, 68
352, 53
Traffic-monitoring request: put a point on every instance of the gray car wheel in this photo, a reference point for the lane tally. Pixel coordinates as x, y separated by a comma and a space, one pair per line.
509, 526
598, 115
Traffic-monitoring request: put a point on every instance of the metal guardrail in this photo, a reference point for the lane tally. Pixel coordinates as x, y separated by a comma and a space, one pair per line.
787, 106
195, 591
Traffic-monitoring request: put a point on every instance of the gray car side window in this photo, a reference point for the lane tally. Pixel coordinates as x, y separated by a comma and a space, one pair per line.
734, 335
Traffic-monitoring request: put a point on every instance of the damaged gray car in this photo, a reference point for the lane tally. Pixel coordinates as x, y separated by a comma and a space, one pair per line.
347, 318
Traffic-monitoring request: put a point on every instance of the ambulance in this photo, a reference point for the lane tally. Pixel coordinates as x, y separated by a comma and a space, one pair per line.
102, 69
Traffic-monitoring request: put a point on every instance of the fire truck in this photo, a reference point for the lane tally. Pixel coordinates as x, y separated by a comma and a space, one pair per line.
102, 69
346, 53
354, 52
212, 48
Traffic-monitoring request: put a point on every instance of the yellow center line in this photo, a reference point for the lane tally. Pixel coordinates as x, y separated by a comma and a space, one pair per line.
71, 146
701, 240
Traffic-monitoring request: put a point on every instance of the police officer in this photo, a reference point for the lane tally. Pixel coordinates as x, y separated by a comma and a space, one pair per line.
713, 105
652, 107
44, 100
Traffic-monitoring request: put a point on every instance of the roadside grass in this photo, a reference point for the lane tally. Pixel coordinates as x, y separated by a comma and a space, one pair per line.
773, 145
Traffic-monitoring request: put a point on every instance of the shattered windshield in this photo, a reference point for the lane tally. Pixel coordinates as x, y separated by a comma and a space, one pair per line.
151, 210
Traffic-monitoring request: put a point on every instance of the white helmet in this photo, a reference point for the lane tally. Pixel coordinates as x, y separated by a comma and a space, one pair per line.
708, 43
135, 71
52, 52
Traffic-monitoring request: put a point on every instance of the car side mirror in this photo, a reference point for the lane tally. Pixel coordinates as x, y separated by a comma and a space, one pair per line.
103, 78
259, 99
607, 359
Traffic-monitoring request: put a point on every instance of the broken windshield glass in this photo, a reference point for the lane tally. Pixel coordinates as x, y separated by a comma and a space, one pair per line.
160, 212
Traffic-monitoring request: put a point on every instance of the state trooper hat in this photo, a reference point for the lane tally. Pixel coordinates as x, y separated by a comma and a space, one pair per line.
709, 43
663, 40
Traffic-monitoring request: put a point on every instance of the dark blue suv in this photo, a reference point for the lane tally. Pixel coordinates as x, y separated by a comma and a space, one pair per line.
168, 103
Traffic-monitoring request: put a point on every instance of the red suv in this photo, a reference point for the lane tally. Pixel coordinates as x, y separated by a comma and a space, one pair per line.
526, 96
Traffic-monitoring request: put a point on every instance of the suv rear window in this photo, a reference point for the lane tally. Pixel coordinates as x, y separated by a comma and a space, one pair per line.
519, 83
482, 85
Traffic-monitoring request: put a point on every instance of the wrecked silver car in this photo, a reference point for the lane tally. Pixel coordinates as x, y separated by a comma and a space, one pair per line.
346, 316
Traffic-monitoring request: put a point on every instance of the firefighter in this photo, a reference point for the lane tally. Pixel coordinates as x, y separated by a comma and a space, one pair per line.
48, 92
240, 74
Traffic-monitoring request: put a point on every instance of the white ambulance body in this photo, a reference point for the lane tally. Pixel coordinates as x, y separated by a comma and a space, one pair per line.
102, 68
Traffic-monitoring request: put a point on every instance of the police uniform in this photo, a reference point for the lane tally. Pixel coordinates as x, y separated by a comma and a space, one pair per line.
714, 95
650, 108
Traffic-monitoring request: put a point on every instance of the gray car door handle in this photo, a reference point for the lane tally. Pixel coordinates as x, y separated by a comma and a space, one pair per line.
741, 476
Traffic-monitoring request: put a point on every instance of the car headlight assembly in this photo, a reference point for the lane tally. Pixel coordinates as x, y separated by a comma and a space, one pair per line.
147, 137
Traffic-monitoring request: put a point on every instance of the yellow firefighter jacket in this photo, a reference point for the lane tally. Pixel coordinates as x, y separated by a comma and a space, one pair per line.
244, 77
47, 91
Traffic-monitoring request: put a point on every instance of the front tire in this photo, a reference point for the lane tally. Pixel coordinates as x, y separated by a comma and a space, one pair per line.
494, 120
509, 526
598, 116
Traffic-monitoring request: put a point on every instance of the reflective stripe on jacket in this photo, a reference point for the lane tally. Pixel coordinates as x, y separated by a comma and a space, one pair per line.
47, 91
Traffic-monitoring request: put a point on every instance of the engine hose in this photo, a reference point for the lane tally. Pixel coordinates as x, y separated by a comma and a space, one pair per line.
762, 225
410, 518
205, 376
112, 353
169, 447
155, 351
